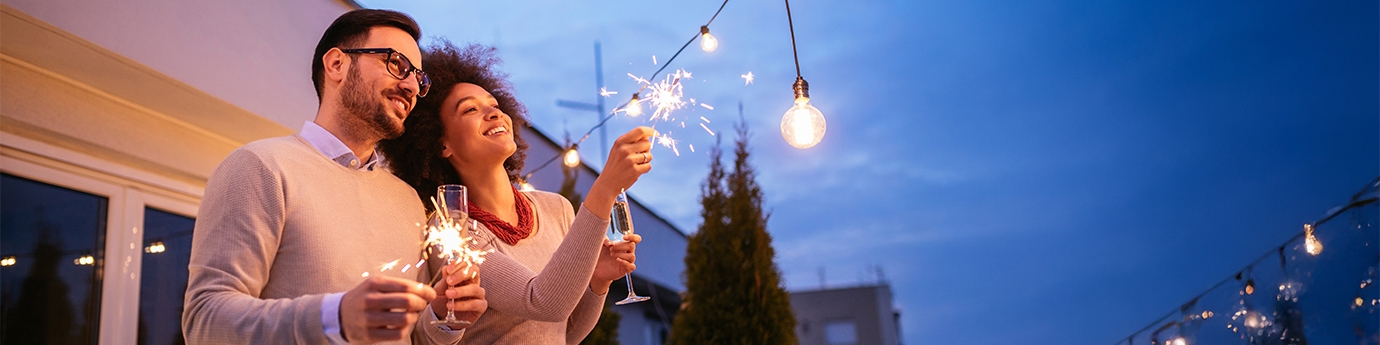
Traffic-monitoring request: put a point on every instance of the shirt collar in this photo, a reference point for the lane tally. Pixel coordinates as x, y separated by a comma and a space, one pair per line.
333, 148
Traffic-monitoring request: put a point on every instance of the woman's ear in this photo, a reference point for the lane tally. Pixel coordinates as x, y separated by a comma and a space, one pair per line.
445, 150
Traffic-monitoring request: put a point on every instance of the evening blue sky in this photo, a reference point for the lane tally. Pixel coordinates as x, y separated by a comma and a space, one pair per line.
1022, 170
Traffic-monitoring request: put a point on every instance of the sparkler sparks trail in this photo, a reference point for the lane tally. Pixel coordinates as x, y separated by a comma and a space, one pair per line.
388, 266
692, 147
450, 240
706, 129
747, 78
665, 96
704, 119
606, 93
706, 106
666, 141
653, 59
638, 79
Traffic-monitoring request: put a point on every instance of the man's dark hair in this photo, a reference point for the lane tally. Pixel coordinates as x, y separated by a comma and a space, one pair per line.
415, 156
351, 29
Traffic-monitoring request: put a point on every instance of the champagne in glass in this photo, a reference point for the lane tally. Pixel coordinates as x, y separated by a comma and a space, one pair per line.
452, 214
622, 225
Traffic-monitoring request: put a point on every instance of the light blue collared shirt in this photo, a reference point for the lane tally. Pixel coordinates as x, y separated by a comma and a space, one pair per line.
333, 148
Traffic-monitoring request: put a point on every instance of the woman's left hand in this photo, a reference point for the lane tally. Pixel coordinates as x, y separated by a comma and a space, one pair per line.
615, 261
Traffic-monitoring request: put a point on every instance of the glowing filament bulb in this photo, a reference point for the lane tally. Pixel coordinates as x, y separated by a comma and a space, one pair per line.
1178, 341
572, 158
85, 260
155, 248
803, 125
707, 42
634, 107
8, 261
1311, 243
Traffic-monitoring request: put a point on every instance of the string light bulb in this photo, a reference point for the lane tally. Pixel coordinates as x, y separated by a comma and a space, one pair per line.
803, 125
85, 260
1177, 341
572, 157
707, 42
155, 248
8, 261
634, 107
1310, 242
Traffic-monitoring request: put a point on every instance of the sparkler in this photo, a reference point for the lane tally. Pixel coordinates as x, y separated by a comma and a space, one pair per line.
747, 78
449, 238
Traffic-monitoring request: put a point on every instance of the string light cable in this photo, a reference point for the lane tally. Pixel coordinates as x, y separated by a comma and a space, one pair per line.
803, 125
634, 101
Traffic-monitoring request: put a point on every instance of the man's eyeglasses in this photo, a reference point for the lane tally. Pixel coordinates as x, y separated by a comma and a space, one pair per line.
398, 66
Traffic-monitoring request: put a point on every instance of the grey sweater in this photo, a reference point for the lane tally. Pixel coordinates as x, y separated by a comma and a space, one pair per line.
280, 226
538, 290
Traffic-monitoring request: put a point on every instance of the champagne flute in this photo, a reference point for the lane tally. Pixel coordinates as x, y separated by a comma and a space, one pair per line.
622, 225
452, 214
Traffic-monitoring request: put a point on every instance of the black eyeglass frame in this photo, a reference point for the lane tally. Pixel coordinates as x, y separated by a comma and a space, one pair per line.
423, 81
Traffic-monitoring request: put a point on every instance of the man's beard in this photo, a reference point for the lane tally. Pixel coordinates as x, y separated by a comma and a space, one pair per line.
367, 109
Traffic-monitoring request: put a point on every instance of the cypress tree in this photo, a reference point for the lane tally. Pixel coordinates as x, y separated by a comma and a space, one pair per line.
733, 286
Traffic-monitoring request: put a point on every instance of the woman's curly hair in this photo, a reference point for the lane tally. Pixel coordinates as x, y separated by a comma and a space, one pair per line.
415, 156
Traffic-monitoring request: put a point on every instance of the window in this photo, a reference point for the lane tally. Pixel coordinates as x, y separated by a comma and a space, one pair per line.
52, 242
163, 277
841, 332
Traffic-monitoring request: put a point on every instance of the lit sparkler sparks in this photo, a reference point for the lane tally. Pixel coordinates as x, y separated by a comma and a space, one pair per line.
665, 140
451, 242
704, 119
747, 78
606, 93
706, 129
706, 106
653, 59
389, 265
665, 96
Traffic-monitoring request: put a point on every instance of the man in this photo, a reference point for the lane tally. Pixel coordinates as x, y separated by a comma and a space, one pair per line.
305, 238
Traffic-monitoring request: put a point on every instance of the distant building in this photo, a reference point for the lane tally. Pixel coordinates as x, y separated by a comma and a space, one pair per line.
861, 315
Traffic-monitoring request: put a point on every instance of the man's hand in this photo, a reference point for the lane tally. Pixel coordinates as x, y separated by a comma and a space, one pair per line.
615, 261
462, 293
382, 309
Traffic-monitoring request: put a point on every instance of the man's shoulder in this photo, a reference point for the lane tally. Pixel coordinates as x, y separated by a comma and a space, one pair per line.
275, 145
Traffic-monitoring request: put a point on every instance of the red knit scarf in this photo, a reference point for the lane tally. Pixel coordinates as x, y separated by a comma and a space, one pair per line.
507, 232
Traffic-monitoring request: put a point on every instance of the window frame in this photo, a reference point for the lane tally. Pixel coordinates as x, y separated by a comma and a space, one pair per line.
128, 191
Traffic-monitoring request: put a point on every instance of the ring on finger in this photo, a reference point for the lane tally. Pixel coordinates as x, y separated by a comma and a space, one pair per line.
646, 159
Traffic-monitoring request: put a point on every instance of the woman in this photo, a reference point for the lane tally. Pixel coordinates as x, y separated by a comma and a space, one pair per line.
547, 280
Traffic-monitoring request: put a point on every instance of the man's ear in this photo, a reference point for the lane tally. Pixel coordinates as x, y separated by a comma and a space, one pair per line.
337, 65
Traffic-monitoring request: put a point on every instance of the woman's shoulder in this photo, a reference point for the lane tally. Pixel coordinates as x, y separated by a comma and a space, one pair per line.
546, 200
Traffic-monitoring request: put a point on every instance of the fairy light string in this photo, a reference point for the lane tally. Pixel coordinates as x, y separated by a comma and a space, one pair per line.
1364, 197
636, 95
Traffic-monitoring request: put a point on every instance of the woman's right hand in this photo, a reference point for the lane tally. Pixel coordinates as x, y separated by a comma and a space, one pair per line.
629, 158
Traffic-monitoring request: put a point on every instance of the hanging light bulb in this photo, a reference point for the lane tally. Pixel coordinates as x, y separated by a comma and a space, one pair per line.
803, 125
572, 157
8, 261
1311, 243
155, 248
634, 107
1177, 341
707, 41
